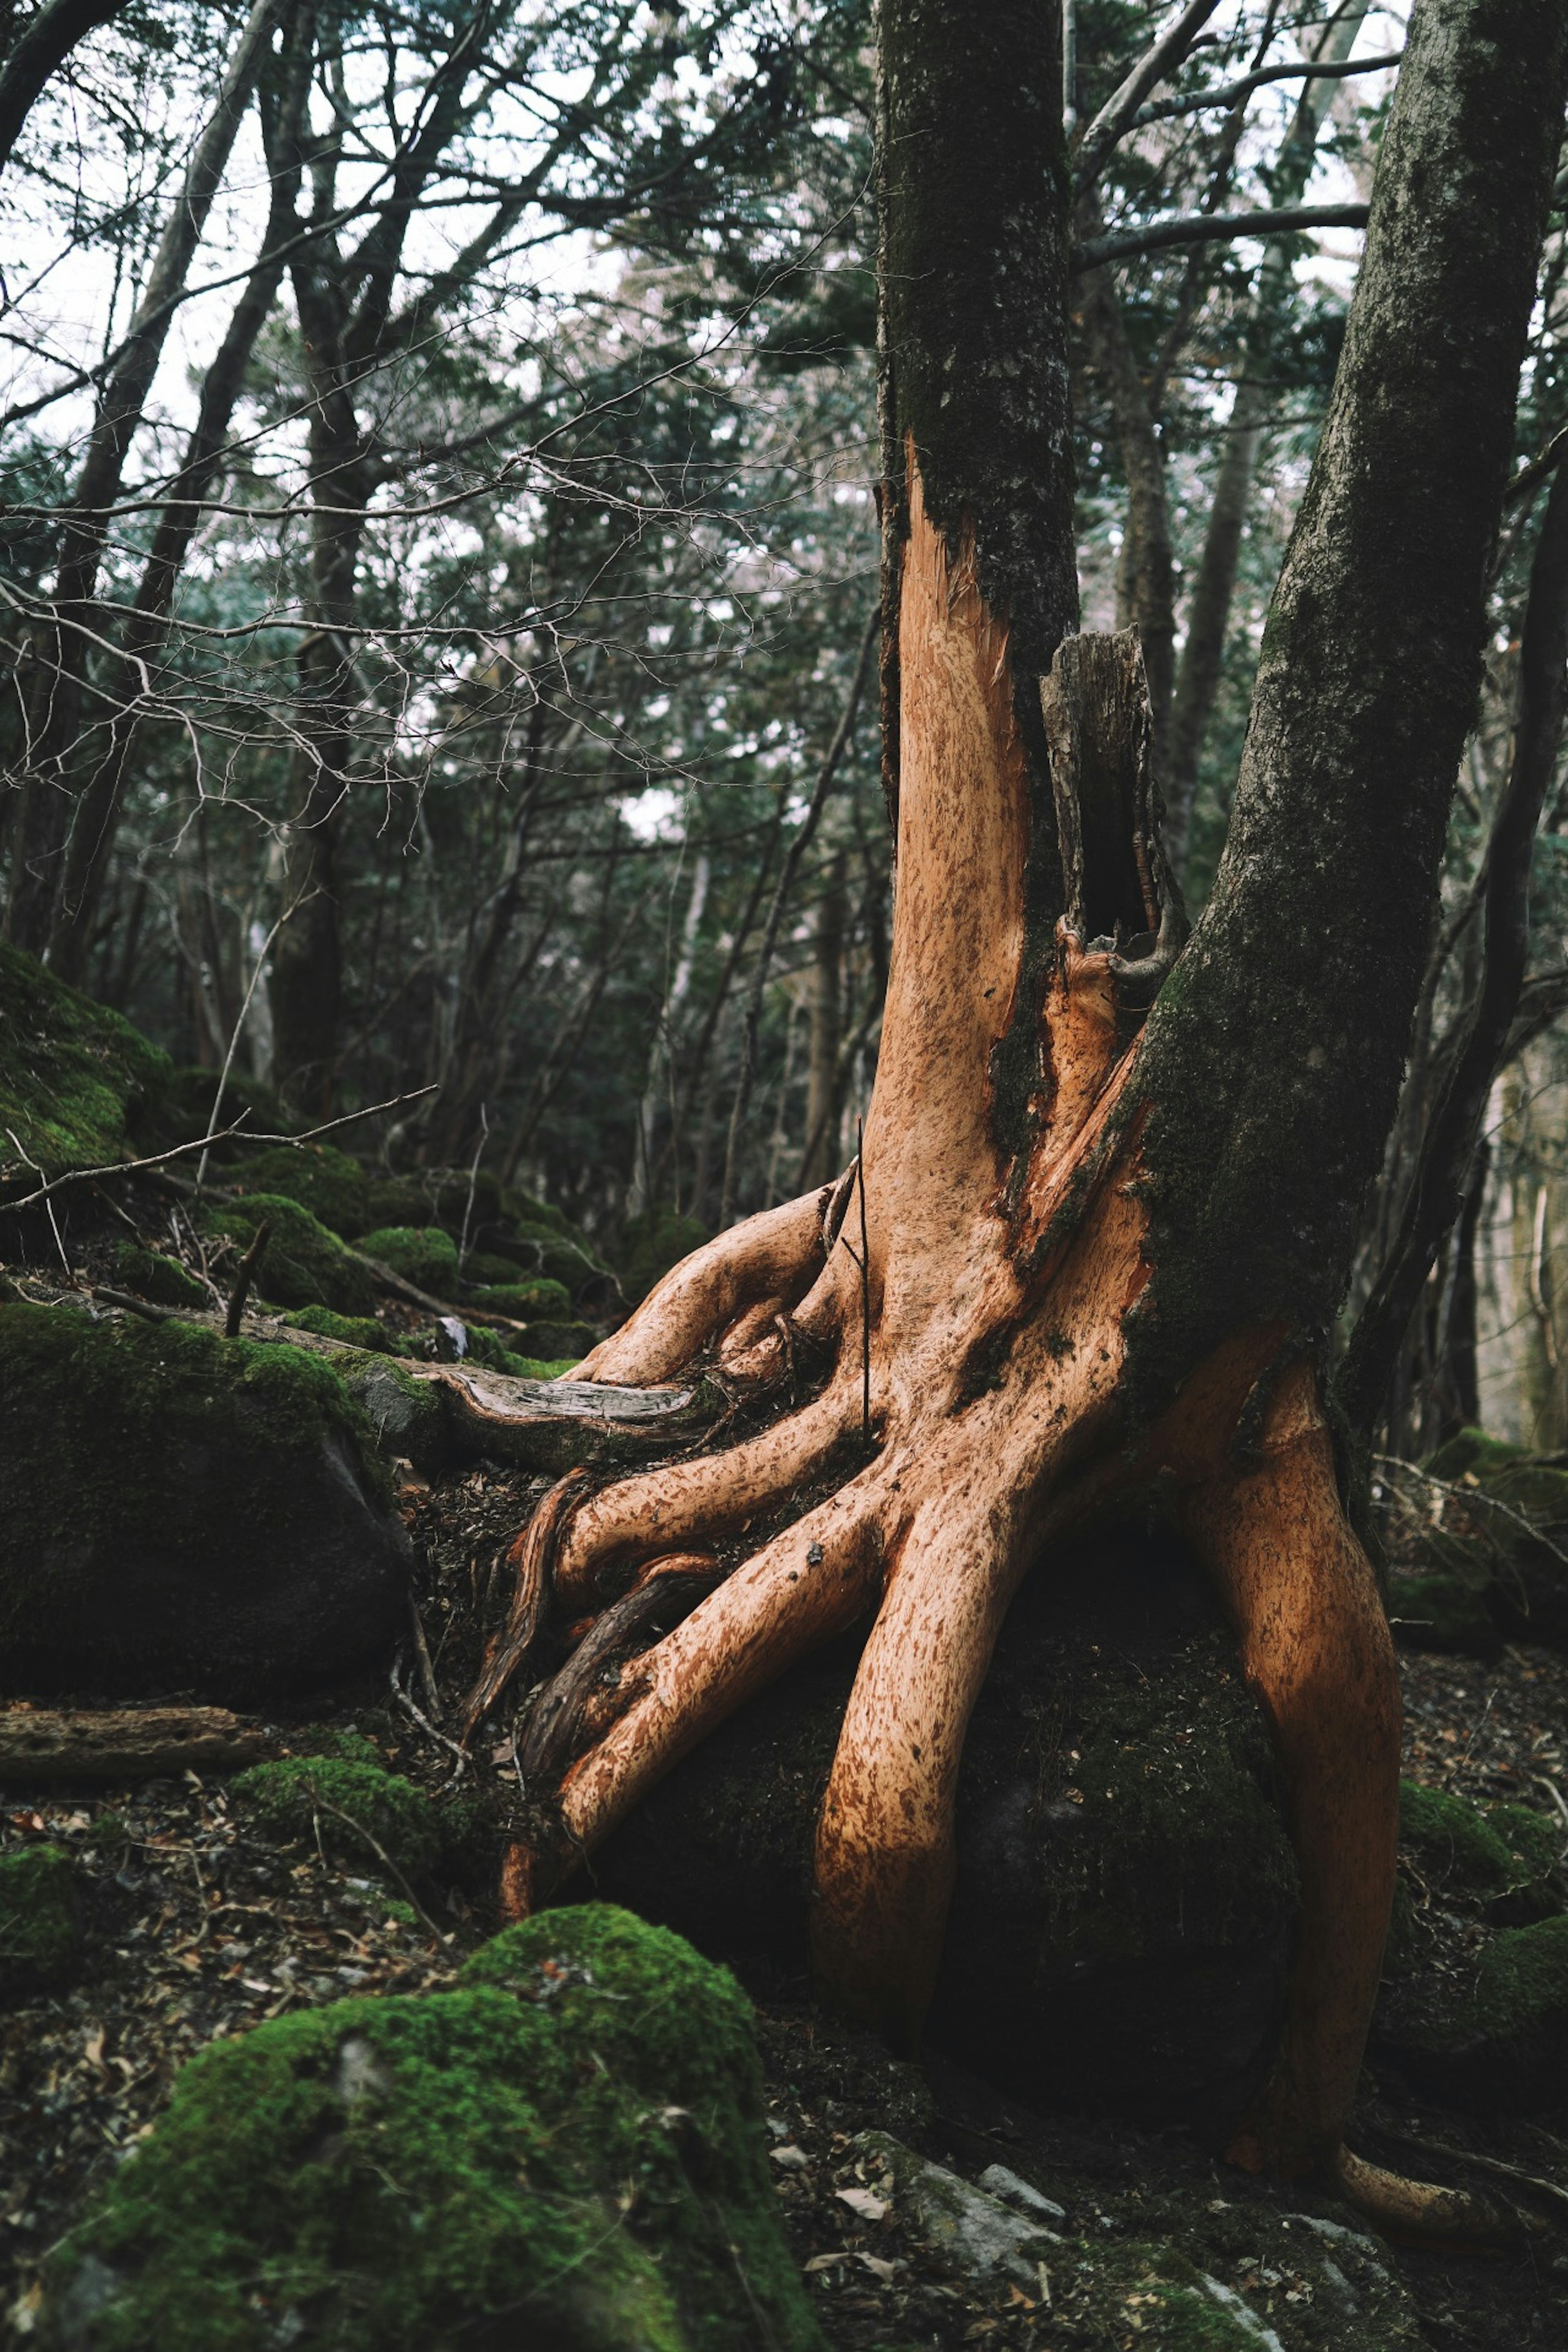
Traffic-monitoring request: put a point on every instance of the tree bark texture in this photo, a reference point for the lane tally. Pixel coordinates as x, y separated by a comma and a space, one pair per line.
1090, 1251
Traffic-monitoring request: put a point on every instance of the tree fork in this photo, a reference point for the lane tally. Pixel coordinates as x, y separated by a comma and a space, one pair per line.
1106, 1241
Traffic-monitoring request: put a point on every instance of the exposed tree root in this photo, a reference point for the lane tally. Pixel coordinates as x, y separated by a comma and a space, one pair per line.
990, 1313
1421, 2211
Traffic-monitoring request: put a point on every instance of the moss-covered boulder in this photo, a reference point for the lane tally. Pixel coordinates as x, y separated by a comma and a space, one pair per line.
303, 1265
183, 1512
650, 1245
407, 1417
358, 1810
75, 1081
1444, 1610
40, 1933
332, 1186
1504, 1858
1502, 1531
523, 1300
566, 2154
151, 1274
1490, 2034
349, 1330
425, 1255
564, 1343
1123, 1921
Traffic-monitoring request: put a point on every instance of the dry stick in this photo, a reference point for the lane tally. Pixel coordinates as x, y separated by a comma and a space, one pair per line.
473, 1181
787, 872
862, 1262
234, 1040
242, 1281
149, 1313
318, 1804
54, 1224
422, 1655
199, 1143
433, 1730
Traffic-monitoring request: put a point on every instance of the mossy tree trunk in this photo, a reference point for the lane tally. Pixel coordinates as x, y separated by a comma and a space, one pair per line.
1092, 1251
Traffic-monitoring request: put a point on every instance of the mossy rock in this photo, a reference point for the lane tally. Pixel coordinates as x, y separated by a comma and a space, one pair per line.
349, 1331
522, 1300
40, 1932
1122, 1926
164, 1280
650, 1245
303, 1263
354, 1806
406, 1415
332, 1186
183, 1512
438, 1196
1505, 1857
77, 1082
1443, 1612
565, 2154
481, 1268
526, 1212
423, 1254
1505, 1533
1492, 2037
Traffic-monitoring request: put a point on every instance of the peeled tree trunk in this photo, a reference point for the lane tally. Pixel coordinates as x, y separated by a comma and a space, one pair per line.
1091, 1250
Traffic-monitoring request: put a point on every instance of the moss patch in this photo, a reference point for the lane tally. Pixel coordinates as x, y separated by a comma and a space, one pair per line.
341, 1799
39, 1931
152, 1275
332, 1186
423, 1254
1446, 1610
349, 1330
1504, 1854
303, 1265
75, 1079
216, 1518
522, 1299
566, 2151
404, 1413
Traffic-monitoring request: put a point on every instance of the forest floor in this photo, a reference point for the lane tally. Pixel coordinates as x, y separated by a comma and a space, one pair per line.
197, 1924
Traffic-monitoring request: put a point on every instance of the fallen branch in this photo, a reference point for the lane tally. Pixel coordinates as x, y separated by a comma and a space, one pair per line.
153, 1743
237, 1133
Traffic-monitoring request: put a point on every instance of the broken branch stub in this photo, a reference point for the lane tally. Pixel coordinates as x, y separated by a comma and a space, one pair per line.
1118, 887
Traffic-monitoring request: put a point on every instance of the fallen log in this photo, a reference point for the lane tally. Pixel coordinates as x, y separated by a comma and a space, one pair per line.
143, 1743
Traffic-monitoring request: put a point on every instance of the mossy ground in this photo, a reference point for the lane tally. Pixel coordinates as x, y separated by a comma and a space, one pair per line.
567, 2151
423, 1254
151, 1273
303, 1265
356, 1808
327, 1182
349, 1331
75, 1079
651, 1243
39, 1930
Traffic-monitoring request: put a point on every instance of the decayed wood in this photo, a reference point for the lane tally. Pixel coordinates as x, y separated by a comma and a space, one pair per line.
530, 1560
561, 1425
147, 1743
666, 1589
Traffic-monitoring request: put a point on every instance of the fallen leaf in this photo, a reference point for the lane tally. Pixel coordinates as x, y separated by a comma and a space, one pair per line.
862, 2201
824, 2263
790, 2159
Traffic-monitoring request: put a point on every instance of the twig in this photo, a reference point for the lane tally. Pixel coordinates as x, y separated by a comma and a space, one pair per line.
473, 1180
242, 1281
198, 1143
54, 1227
423, 1720
234, 1040
320, 1805
422, 1653
149, 1313
863, 1263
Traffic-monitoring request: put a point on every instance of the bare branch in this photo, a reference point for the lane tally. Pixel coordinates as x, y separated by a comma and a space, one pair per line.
1116, 117
1208, 228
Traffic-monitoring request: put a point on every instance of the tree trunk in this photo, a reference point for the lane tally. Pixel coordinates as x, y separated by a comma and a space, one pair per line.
1092, 1252
1208, 617
819, 1163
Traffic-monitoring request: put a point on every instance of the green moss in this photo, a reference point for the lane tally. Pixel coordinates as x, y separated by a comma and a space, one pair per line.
404, 1413
568, 2147
438, 1196
423, 1254
309, 1796
39, 1932
304, 1264
1522, 1989
525, 1213
650, 1245
522, 1299
152, 1275
75, 1079
1471, 1453
1494, 1854
332, 1186
351, 1330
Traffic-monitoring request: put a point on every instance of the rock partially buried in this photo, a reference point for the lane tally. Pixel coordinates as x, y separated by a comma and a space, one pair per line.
1121, 1929
182, 1512
975, 2233
565, 2154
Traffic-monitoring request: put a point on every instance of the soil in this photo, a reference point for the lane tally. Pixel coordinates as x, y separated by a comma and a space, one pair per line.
196, 1923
